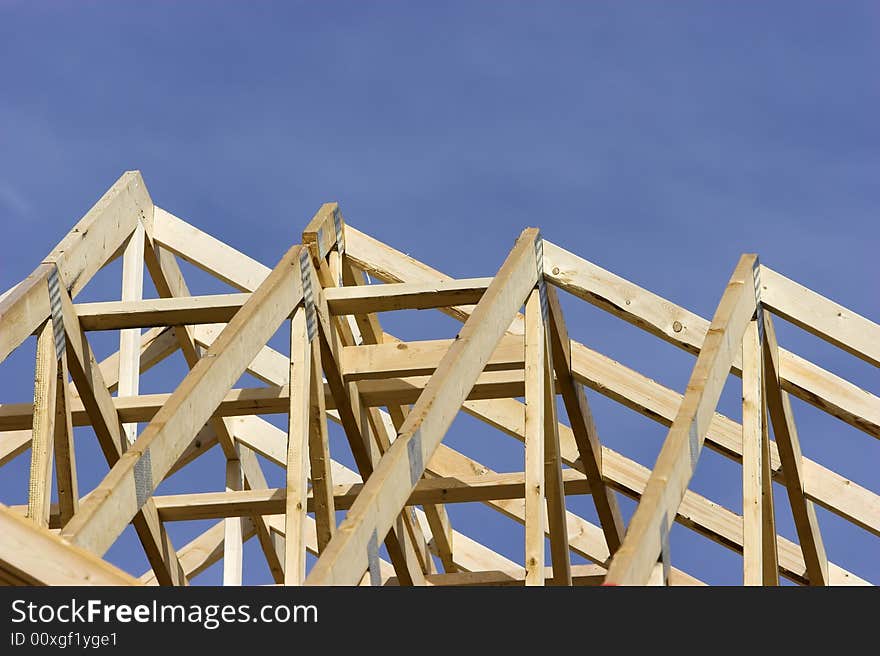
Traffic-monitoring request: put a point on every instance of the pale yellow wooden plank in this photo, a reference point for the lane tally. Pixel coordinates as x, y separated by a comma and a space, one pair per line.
130, 338
687, 330
206, 252
31, 555
319, 452
42, 450
554, 476
93, 241
297, 450
271, 501
405, 296
105, 421
419, 358
834, 492
13, 443
753, 505
820, 316
65, 455
365, 431
534, 452
584, 428
633, 562
169, 282
779, 409
101, 518
233, 553
386, 491
155, 312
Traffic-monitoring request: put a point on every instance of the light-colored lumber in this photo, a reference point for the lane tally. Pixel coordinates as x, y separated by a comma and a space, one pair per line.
31, 555
345, 558
13, 443
155, 312
270, 442
814, 313
168, 279
42, 449
832, 491
271, 501
233, 550
297, 450
420, 358
93, 241
633, 562
405, 542
405, 296
319, 451
536, 515
67, 484
100, 521
105, 421
582, 425
728, 434
782, 418
752, 466
130, 338
554, 476
582, 575
403, 463
697, 513
320, 234
206, 252
687, 330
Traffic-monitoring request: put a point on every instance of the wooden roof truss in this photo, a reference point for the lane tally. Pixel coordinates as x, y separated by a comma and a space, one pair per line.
395, 401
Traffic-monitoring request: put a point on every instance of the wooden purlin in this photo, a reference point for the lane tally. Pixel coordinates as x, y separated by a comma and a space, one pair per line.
368, 369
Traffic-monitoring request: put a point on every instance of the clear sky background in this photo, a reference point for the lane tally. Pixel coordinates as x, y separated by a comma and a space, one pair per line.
658, 140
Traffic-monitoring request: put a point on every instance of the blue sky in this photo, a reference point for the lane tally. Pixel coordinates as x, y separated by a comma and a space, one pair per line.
658, 140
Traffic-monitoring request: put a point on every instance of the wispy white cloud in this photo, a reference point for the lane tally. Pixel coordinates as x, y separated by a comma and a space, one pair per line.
11, 200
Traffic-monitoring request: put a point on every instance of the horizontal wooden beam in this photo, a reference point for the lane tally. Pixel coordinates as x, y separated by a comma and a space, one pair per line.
405, 296
820, 316
213, 505
152, 312
266, 400
394, 358
581, 575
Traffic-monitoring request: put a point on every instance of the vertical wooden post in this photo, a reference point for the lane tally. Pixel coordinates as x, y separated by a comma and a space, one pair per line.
45, 387
752, 463
297, 450
534, 423
232, 529
130, 338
